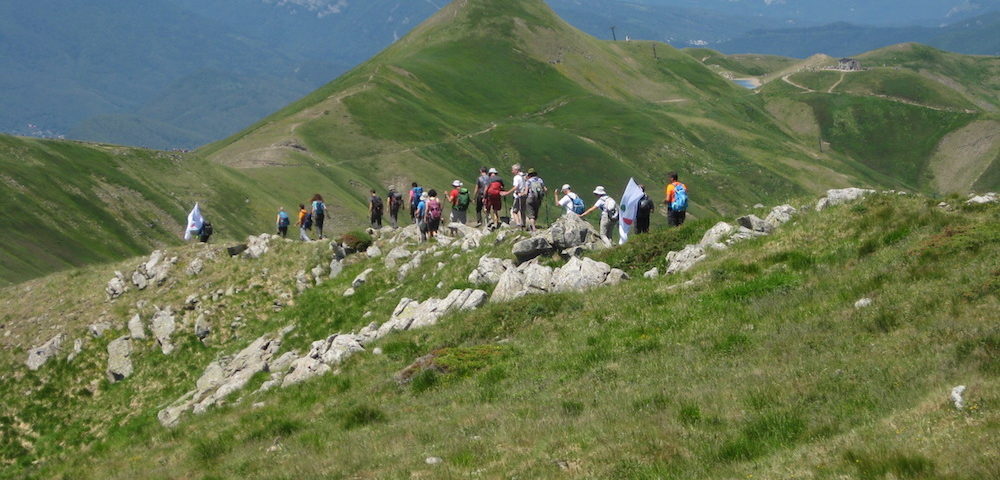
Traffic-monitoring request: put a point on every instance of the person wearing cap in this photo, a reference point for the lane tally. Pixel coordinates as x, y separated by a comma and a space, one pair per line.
482, 182
460, 200
492, 199
420, 212
609, 213
519, 190
567, 199
375, 207
535, 188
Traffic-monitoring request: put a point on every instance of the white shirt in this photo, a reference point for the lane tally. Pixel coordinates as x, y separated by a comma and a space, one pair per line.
567, 202
606, 203
519, 185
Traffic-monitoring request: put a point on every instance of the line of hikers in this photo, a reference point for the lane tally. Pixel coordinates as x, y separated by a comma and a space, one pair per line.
527, 191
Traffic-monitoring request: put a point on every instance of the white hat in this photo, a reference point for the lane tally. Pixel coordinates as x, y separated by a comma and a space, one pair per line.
424, 196
565, 187
493, 170
456, 183
600, 191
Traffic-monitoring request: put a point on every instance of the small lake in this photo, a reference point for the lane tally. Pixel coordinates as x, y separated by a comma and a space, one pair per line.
746, 83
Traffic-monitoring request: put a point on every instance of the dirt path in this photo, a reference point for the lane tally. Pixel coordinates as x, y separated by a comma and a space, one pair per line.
835, 85
790, 82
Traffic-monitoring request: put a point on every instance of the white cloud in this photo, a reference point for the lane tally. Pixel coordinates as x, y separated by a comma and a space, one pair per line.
322, 8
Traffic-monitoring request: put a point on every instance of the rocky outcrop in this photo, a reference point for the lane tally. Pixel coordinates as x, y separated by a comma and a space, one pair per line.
755, 223
716, 236
136, 329
223, 377
411, 314
119, 361
780, 215
336, 266
531, 278
257, 246
37, 356
323, 355
568, 232
373, 252
396, 256
202, 328
362, 278
163, 326
841, 196
489, 270
195, 267
117, 286
154, 271
983, 199
97, 330
683, 260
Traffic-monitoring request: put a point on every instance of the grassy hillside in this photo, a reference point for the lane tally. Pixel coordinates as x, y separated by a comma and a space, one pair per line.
755, 363
68, 204
494, 83
752, 65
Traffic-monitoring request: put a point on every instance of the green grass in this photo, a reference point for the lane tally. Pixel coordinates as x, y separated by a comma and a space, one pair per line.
761, 366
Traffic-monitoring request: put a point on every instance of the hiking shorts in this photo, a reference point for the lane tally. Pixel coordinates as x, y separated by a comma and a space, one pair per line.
534, 205
433, 224
676, 218
520, 204
493, 203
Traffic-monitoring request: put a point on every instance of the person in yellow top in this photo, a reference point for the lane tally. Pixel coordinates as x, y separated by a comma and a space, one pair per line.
305, 223
676, 199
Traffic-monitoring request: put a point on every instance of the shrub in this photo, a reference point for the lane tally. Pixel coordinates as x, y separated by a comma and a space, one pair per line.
356, 240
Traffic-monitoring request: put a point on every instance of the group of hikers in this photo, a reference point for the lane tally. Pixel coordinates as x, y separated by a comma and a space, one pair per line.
527, 191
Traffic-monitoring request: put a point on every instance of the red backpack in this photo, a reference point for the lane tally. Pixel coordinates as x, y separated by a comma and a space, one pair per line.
434, 209
496, 186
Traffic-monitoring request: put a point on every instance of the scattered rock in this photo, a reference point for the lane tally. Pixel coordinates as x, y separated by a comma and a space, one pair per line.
362, 278
716, 235
336, 266
373, 252
685, 259
223, 377
489, 270
863, 303
533, 247
944, 206
754, 223
956, 397
567, 232
410, 314
780, 215
191, 302
202, 328
527, 279
302, 281
136, 329
195, 267
317, 273
97, 330
116, 286
37, 356
349, 292
139, 280
433, 460
841, 196
377, 351
653, 273
77, 349
983, 199
258, 246
163, 326
396, 255
119, 361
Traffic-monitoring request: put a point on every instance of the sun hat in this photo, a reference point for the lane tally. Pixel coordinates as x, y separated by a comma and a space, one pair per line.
424, 196
531, 170
565, 187
600, 191
493, 170
456, 183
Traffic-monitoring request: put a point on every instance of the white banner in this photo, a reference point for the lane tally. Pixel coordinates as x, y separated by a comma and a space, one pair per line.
628, 209
195, 221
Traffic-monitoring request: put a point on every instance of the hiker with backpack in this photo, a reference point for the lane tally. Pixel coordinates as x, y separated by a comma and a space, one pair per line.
420, 214
205, 232
433, 213
535, 187
643, 212
395, 201
375, 206
319, 213
571, 202
609, 213
416, 192
482, 182
493, 201
676, 201
460, 200
518, 190
305, 223
282, 222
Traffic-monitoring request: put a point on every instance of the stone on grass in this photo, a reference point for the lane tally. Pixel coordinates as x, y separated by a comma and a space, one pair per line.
755, 223
362, 278
863, 303
37, 356
373, 252
685, 259
163, 326
119, 361
983, 199
116, 286
841, 196
97, 330
956, 397
652, 273
716, 235
336, 266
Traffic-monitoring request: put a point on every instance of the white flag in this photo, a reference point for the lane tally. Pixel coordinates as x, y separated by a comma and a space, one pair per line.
628, 209
194, 224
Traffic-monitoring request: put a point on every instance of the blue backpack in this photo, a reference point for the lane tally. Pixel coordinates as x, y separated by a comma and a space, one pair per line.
578, 206
680, 203
417, 192
283, 219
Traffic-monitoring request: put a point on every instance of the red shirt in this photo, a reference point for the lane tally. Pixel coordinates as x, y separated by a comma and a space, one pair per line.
453, 197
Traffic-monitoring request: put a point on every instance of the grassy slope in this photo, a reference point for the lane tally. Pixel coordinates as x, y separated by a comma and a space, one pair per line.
68, 204
762, 367
500, 82
745, 64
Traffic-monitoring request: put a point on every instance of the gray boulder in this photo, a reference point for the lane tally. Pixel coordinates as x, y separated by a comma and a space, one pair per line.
685, 259
373, 252
489, 270
983, 199
567, 232
652, 273
317, 273
195, 267
717, 235
116, 286
362, 278
119, 361
302, 281
780, 215
579, 274
533, 247
411, 314
37, 356
755, 223
136, 329
77, 349
257, 246
396, 255
841, 196
97, 330
140, 280
163, 326
336, 266
202, 328
527, 279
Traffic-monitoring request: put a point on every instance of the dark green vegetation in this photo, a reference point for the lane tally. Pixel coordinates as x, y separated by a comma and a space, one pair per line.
761, 366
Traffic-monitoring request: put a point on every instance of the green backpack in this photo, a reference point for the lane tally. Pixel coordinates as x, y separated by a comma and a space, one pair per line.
463, 200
